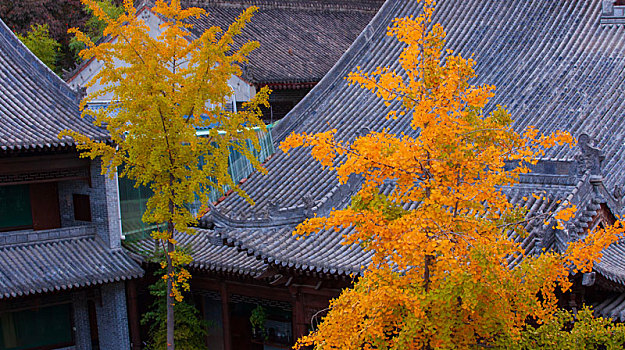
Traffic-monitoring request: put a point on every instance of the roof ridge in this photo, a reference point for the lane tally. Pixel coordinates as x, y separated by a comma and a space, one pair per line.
333, 5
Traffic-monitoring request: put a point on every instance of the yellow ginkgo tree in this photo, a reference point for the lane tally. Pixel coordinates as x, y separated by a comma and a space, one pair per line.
163, 88
440, 275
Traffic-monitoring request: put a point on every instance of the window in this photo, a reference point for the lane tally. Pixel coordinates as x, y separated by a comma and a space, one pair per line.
33, 206
82, 207
15, 210
42, 328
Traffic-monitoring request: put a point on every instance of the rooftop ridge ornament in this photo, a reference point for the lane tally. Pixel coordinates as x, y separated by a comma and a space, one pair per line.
590, 157
340, 5
612, 13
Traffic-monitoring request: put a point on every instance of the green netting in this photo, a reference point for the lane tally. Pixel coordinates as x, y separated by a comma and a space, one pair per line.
15, 208
133, 200
36, 328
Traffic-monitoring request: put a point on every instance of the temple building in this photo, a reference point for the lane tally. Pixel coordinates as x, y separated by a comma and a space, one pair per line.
62, 268
557, 65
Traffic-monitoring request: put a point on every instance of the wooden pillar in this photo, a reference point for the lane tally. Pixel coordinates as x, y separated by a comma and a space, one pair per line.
225, 316
133, 316
299, 326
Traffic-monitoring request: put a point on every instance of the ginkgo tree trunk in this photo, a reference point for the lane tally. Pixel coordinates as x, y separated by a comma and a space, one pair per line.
162, 89
439, 276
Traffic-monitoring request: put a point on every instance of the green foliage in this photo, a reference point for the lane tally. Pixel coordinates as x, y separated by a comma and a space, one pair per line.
567, 331
94, 27
38, 41
190, 327
257, 318
378, 202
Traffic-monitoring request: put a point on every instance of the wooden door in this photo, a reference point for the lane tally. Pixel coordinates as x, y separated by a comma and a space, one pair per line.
44, 201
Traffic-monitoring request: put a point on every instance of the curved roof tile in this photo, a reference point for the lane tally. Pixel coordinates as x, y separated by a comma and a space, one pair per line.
299, 40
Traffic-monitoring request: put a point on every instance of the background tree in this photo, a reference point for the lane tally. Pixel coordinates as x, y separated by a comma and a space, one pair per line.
38, 41
163, 88
94, 27
439, 276
59, 15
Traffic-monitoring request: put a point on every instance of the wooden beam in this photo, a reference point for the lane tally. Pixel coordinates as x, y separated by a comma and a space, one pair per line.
244, 289
19, 165
55, 179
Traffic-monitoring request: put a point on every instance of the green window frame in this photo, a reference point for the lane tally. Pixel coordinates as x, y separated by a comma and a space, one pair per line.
15, 208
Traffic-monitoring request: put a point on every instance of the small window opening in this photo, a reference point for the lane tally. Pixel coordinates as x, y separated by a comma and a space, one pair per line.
82, 208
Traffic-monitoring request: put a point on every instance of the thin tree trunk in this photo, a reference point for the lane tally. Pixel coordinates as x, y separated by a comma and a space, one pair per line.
426, 272
170, 297
170, 265
429, 259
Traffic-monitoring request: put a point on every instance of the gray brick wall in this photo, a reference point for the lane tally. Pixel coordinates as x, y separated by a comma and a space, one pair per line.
112, 317
104, 204
66, 203
82, 328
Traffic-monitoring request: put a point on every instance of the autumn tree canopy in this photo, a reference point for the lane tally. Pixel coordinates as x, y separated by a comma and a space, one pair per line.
440, 274
163, 88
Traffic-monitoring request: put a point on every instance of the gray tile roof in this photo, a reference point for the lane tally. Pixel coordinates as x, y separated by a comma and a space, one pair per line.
560, 74
554, 65
322, 253
300, 40
61, 264
35, 103
209, 254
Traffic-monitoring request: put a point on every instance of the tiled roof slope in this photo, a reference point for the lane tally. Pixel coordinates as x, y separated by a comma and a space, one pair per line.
300, 40
61, 264
554, 65
322, 253
36, 104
